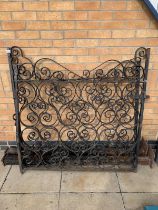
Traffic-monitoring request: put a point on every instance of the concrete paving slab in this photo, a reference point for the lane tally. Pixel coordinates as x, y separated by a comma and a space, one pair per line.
145, 180
3, 169
32, 181
29, 201
91, 201
137, 201
83, 181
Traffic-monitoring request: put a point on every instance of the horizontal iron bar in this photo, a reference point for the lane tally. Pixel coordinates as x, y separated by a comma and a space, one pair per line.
124, 80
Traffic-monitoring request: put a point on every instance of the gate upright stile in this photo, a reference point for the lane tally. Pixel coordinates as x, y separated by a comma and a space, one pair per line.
67, 120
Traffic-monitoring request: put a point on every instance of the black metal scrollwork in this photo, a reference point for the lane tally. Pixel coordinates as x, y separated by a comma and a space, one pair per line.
64, 119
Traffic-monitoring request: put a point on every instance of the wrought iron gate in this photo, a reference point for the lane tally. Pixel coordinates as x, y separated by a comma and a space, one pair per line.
65, 120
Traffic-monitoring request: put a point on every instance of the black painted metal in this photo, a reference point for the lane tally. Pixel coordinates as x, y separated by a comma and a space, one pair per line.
154, 145
65, 120
10, 156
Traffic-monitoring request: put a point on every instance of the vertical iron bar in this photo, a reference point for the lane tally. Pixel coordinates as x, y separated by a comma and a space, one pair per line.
136, 112
143, 93
13, 74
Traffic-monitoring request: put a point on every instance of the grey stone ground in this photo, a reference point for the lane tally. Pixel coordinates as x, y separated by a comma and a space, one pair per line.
57, 190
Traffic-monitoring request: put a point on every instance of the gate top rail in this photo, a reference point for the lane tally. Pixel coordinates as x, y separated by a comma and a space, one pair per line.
109, 71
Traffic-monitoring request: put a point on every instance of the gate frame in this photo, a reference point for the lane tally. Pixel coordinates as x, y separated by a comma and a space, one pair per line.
13, 66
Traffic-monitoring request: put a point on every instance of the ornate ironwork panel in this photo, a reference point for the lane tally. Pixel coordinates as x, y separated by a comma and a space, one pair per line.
64, 119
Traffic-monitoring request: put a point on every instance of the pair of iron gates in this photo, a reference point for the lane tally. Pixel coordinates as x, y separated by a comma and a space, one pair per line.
67, 120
